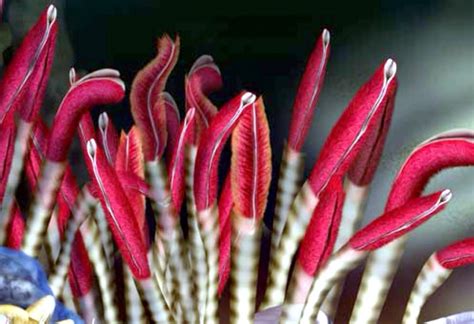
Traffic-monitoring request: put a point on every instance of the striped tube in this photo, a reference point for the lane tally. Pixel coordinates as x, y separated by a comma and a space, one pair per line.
134, 307
161, 202
196, 245
335, 269
182, 284
90, 234
151, 293
281, 258
104, 234
352, 215
182, 287
380, 269
299, 286
19, 151
42, 207
156, 264
83, 207
244, 270
68, 299
209, 228
291, 171
431, 277
88, 307
52, 236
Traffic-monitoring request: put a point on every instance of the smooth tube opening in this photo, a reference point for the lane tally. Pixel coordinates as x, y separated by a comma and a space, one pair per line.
326, 37
390, 69
248, 98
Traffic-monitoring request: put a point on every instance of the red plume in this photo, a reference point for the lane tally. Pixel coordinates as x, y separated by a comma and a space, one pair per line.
354, 126
108, 137
101, 87
308, 92
211, 145
251, 165
173, 120
130, 161
119, 214
204, 78
24, 81
147, 107
7, 140
318, 243
458, 254
399, 221
16, 228
176, 169
450, 149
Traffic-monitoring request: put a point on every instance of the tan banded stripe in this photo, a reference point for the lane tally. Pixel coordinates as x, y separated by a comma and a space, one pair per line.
105, 279
182, 284
244, 273
335, 269
152, 294
280, 260
210, 237
20, 148
376, 281
134, 307
352, 214
291, 172
82, 208
197, 251
42, 207
104, 234
431, 277
182, 287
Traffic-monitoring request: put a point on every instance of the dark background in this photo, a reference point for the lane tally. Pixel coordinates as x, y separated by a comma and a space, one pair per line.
263, 45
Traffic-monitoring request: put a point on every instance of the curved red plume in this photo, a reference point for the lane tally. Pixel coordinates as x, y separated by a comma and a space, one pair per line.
211, 145
147, 108
101, 87
24, 80
308, 92
119, 214
204, 78
458, 254
108, 137
449, 149
399, 221
353, 127
318, 242
176, 169
251, 164
225, 232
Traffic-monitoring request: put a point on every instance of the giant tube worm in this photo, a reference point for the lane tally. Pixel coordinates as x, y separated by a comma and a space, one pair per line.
30, 65
449, 149
338, 152
376, 234
302, 116
98, 88
435, 272
250, 181
205, 187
